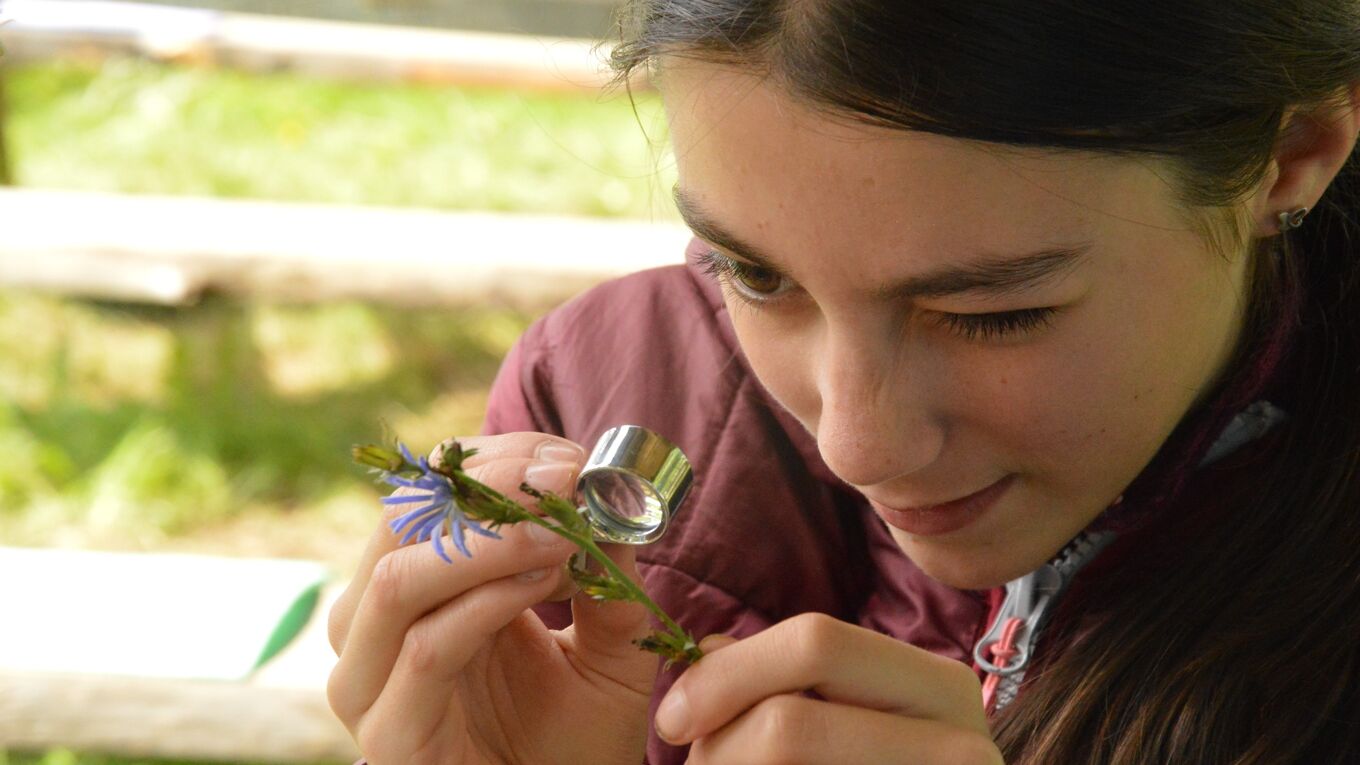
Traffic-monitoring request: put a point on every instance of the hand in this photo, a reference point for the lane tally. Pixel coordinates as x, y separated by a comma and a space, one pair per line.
443, 663
885, 701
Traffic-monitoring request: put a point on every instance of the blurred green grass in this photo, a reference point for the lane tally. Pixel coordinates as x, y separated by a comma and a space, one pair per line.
225, 426
126, 426
138, 126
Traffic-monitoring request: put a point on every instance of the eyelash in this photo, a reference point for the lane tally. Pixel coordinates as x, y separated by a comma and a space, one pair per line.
970, 326
729, 273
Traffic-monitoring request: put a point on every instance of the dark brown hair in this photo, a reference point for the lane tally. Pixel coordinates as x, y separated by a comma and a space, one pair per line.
1245, 648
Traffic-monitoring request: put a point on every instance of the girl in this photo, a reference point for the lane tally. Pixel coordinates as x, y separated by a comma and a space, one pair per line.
1017, 354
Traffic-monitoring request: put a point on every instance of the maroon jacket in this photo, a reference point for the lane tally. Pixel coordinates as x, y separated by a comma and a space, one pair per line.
767, 530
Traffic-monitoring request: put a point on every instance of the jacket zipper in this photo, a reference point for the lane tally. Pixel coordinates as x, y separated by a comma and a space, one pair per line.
1005, 650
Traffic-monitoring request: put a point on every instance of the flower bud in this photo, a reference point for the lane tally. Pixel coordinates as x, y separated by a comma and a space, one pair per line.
379, 457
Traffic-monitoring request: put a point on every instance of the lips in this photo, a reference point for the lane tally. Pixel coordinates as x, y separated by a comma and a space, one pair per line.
932, 520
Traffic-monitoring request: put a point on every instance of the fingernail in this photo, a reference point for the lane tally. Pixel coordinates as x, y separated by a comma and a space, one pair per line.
544, 537
556, 451
672, 717
549, 476
714, 642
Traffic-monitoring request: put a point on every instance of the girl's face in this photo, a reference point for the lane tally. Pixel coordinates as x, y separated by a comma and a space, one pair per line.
1018, 329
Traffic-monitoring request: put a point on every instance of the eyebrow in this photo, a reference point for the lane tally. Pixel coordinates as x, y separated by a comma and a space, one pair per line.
989, 274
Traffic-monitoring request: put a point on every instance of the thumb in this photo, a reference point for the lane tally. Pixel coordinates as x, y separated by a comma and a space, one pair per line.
604, 630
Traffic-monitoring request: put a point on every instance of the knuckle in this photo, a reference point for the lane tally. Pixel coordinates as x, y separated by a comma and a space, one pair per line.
338, 621
341, 702
813, 637
385, 585
782, 727
370, 740
962, 677
419, 649
961, 689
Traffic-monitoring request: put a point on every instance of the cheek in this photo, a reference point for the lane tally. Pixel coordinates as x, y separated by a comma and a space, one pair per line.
777, 353
1082, 411
1034, 406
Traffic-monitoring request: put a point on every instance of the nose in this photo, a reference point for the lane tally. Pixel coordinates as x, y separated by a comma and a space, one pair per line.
876, 421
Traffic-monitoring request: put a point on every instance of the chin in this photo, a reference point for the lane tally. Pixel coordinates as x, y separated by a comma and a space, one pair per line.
962, 568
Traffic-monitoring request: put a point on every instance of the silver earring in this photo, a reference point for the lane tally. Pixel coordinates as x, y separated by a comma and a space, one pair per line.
1292, 220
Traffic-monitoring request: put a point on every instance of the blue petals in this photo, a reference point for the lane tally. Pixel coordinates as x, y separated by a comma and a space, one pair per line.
477, 527
440, 508
439, 548
394, 500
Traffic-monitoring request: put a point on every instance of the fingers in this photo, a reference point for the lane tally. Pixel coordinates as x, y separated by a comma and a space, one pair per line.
842, 662
413, 705
538, 446
604, 631
411, 582
790, 729
521, 450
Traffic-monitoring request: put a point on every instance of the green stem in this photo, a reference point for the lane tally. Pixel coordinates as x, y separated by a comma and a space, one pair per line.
587, 544
585, 541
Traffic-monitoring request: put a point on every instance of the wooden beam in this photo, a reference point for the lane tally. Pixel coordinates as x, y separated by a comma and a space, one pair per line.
278, 714
330, 49
170, 250
141, 717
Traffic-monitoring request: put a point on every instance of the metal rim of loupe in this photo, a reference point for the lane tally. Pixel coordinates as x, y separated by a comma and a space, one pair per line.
622, 454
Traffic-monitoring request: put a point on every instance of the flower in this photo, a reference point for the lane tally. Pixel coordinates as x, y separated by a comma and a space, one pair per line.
427, 521
447, 495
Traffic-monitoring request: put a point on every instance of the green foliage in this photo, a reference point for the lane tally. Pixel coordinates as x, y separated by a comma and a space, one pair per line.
222, 416
131, 421
150, 477
136, 126
121, 421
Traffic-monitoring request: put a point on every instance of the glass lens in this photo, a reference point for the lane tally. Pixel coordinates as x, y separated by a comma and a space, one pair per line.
625, 499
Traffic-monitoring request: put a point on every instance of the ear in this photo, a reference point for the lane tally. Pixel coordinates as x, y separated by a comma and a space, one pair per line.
1313, 146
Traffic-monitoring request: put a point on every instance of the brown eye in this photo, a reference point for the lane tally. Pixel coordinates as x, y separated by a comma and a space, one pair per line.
761, 281
748, 282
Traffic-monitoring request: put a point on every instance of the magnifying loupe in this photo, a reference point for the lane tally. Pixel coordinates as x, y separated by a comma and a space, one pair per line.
632, 485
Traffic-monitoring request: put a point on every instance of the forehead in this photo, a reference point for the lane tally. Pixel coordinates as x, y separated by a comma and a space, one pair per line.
780, 172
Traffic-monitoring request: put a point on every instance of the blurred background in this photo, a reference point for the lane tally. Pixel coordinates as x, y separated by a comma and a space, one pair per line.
235, 239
